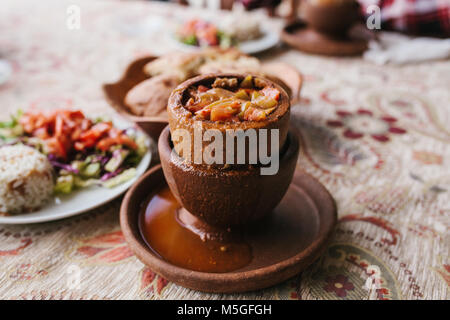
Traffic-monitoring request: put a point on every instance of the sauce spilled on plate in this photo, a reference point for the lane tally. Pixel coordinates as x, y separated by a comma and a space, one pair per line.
166, 235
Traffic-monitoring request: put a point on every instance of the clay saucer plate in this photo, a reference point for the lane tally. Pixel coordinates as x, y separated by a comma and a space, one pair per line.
301, 37
290, 240
287, 76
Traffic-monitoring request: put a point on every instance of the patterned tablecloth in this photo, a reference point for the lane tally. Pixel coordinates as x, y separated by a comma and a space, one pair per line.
377, 137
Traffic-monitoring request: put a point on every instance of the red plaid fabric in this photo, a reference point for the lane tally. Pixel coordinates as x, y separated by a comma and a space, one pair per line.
413, 16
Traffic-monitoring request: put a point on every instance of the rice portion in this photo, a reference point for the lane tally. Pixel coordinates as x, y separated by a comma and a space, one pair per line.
26, 179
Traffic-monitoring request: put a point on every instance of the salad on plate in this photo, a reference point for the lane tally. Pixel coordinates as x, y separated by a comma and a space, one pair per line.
231, 31
82, 151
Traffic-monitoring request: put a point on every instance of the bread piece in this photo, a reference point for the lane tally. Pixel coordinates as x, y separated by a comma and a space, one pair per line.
149, 98
181, 65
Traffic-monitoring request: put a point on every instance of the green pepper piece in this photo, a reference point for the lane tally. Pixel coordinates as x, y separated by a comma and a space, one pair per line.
247, 82
265, 102
242, 94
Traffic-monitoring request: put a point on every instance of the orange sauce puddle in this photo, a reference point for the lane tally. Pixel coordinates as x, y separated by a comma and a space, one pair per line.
175, 243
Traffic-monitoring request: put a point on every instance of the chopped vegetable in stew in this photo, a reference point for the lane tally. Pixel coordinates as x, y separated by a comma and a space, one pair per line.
229, 100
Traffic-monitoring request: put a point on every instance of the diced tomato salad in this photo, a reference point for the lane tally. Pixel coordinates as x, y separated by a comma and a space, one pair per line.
65, 131
82, 152
198, 32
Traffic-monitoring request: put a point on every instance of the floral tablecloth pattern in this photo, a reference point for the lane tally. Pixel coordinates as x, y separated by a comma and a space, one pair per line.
377, 137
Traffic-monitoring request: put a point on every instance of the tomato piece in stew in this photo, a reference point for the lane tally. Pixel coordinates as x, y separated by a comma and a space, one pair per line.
227, 99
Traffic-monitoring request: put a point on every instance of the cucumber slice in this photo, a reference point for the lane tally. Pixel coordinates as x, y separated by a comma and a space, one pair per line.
91, 170
121, 178
64, 184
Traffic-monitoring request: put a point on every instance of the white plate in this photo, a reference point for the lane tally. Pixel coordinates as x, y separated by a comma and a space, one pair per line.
83, 199
269, 39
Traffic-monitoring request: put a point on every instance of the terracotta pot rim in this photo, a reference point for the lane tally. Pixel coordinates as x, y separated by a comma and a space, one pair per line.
176, 105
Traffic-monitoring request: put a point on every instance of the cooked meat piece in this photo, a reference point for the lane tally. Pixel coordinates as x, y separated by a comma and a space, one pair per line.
259, 83
226, 83
149, 98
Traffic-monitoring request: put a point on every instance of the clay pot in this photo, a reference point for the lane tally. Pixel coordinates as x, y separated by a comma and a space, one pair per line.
286, 76
334, 19
181, 118
227, 198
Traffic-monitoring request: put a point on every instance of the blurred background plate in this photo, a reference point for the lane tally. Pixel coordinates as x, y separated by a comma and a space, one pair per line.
269, 39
